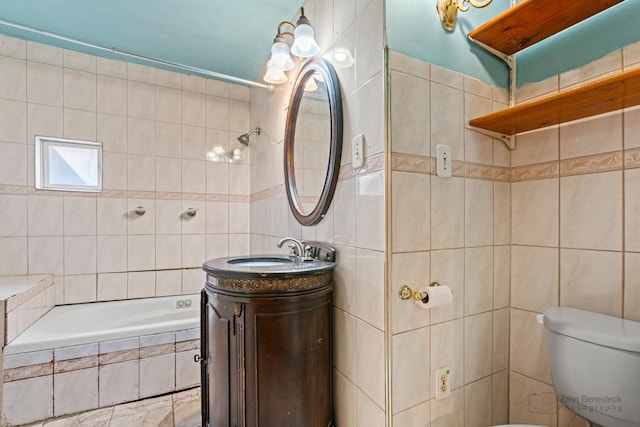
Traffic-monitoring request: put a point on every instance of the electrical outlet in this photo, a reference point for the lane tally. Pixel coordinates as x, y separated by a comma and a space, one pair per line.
357, 152
445, 162
443, 382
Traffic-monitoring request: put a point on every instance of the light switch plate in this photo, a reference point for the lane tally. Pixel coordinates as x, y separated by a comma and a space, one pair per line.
445, 162
357, 152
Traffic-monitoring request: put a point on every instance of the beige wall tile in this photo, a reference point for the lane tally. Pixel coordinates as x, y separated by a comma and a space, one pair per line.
478, 332
593, 136
370, 304
409, 112
344, 392
370, 359
75, 391
447, 212
478, 403
501, 325
408, 389
119, 382
501, 276
500, 388
631, 127
478, 148
529, 354
28, 400
632, 209
591, 211
417, 416
447, 115
534, 278
410, 211
478, 280
370, 215
501, 213
535, 214
344, 349
449, 412
478, 212
531, 402
368, 413
632, 286
591, 280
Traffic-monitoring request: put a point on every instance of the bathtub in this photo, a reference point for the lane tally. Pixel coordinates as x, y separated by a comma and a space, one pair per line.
99, 355
70, 325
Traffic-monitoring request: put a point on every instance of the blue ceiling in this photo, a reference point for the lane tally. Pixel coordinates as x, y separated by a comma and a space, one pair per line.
228, 37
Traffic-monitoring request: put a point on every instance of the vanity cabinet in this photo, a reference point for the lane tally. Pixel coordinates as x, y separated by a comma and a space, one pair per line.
267, 357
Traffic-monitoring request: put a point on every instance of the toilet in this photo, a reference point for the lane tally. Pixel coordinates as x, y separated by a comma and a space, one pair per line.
595, 365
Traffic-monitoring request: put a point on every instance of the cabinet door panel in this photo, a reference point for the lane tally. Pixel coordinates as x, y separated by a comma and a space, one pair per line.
220, 342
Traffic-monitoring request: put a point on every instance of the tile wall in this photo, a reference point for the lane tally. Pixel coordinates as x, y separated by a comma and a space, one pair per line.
157, 128
575, 204
455, 231
355, 223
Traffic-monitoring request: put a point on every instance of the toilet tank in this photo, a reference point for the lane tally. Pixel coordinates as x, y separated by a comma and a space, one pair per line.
595, 365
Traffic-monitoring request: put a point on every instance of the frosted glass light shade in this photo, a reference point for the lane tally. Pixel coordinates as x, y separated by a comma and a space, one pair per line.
305, 45
274, 75
281, 57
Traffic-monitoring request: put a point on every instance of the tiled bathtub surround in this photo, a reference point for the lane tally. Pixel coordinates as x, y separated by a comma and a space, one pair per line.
23, 299
42, 384
575, 230
157, 128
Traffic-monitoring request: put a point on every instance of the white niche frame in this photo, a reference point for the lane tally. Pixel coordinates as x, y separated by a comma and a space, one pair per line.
83, 158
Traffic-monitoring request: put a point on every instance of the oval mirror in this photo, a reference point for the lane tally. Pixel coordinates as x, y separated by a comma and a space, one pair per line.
313, 141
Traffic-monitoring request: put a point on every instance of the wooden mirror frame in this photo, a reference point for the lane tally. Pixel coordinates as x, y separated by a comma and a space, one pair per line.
326, 70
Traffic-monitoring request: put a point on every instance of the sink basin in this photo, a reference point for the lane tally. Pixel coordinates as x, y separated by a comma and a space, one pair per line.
260, 261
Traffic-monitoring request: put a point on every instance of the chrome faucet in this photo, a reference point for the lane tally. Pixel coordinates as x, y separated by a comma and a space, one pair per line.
298, 248
296, 245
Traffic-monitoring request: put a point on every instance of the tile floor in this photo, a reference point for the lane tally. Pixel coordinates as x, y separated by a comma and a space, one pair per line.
175, 410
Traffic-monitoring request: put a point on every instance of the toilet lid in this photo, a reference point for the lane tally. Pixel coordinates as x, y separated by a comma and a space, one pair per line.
594, 327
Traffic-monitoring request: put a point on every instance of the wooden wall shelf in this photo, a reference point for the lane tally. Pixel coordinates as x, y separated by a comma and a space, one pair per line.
602, 96
534, 20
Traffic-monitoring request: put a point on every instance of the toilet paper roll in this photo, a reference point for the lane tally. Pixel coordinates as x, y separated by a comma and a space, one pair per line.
435, 296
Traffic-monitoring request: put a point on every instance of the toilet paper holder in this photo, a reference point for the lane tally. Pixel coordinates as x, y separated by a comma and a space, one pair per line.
406, 293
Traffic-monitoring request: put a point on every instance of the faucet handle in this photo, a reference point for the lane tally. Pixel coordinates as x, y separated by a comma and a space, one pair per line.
293, 250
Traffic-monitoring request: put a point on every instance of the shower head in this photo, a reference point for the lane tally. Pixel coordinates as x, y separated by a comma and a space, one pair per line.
244, 138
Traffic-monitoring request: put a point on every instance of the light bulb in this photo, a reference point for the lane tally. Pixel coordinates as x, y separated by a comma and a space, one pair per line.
280, 56
305, 45
275, 74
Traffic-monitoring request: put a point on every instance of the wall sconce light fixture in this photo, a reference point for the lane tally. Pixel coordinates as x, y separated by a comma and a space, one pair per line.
304, 46
448, 10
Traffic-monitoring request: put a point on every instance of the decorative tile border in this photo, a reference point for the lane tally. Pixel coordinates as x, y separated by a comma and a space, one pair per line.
632, 158
604, 162
591, 164
535, 171
124, 194
427, 165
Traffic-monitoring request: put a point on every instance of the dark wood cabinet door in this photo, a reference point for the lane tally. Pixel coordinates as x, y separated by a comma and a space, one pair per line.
225, 387
269, 360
